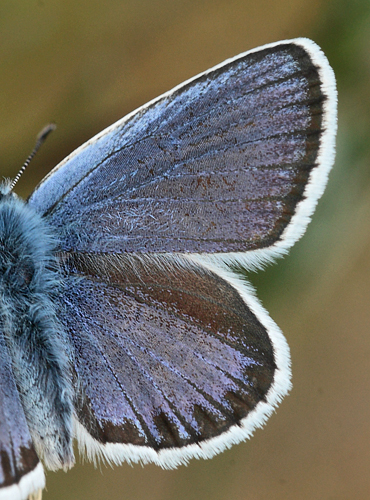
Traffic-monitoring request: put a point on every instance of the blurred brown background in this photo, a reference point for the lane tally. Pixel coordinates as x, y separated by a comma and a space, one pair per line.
85, 65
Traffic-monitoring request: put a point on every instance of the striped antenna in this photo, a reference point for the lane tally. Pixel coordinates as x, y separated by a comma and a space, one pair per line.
39, 141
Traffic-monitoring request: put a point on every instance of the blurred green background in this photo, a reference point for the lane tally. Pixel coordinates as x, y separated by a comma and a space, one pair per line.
85, 65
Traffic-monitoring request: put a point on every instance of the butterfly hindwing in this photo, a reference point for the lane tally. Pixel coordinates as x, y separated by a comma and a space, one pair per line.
168, 356
21, 472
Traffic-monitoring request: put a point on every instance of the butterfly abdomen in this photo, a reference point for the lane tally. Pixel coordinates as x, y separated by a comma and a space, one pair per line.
29, 282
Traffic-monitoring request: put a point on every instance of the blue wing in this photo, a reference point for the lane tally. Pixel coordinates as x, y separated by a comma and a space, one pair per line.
220, 164
171, 361
21, 472
174, 356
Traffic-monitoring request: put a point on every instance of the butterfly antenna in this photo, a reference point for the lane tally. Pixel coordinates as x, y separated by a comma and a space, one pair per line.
39, 141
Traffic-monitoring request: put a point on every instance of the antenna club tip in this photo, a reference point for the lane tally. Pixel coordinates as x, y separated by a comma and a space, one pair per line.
46, 131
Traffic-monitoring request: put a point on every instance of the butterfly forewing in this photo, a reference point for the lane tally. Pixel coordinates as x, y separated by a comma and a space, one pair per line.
217, 165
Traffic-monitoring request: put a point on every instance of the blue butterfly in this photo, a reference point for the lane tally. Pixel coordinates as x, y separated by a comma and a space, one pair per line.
124, 321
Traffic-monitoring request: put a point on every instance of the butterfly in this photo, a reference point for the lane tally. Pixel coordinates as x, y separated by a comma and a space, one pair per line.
124, 322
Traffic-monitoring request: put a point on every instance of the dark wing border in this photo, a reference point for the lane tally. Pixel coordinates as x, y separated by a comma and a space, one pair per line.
30, 483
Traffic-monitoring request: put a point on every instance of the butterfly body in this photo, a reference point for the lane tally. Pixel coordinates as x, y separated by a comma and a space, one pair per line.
34, 337
126, 324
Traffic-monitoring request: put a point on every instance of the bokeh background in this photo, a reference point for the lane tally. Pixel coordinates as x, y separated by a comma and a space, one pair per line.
85, 65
